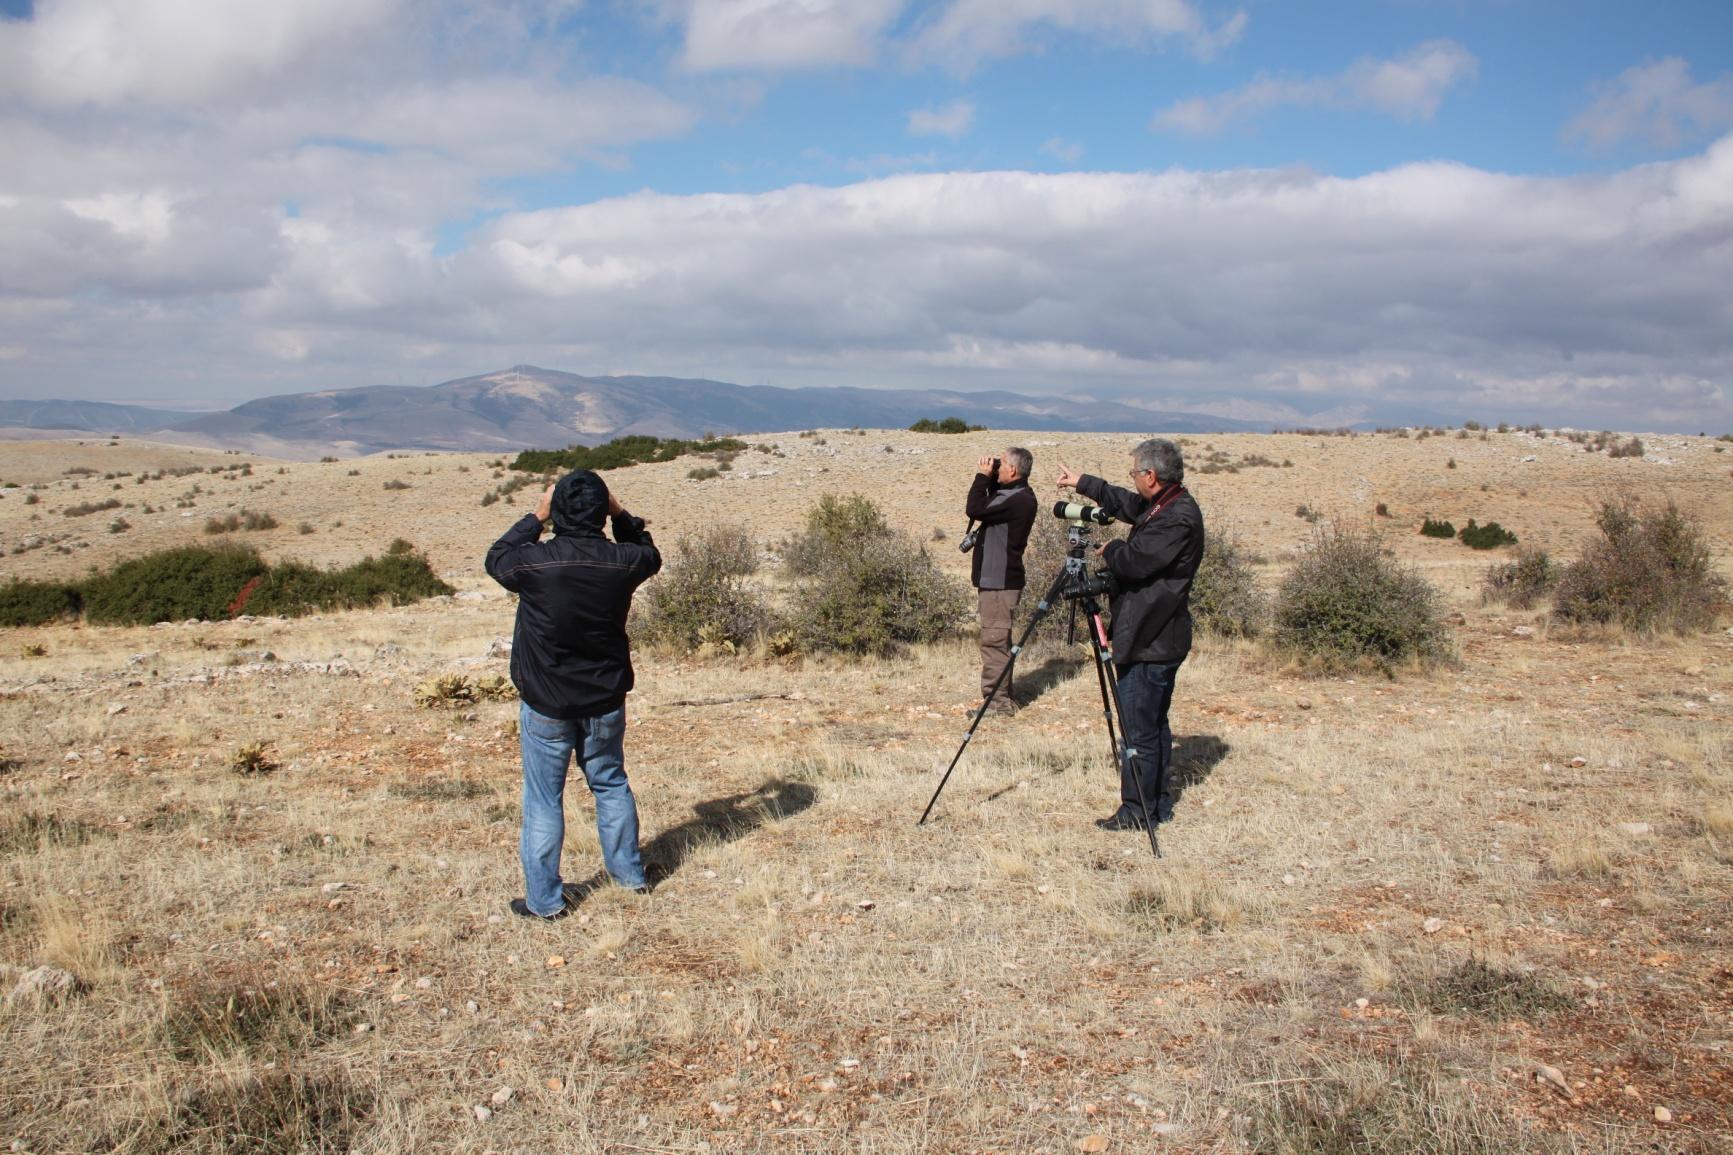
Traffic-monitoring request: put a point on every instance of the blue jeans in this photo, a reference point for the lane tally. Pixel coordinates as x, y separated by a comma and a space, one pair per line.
1145, 693
548, 745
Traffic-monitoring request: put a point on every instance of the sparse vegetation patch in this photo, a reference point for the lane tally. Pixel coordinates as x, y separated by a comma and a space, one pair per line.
1649, 570
1344, 603
704, 596
945, 425
620, 453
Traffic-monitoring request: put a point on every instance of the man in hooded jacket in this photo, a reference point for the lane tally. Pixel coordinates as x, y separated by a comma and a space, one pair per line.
571, 662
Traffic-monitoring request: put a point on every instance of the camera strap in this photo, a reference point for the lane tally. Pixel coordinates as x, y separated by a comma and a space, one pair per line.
1162, 501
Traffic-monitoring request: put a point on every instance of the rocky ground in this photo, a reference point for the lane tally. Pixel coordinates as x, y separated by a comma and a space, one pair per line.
249, 885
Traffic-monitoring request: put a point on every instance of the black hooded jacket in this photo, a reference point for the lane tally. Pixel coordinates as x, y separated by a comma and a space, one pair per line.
1153, 567
570, 657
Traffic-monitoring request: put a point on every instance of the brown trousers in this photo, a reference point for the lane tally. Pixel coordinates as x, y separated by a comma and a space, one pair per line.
998, 608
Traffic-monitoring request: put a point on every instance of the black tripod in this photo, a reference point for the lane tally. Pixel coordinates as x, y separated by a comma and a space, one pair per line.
1075, 585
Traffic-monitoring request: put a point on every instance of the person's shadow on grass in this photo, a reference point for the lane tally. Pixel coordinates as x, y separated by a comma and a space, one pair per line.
716, 820
1195, 757
1050, 673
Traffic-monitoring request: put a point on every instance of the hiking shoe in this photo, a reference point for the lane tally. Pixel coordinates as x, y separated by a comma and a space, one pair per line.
1121, 820
522, 909
1001, 705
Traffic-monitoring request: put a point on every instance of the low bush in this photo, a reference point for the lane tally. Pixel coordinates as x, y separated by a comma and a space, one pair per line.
1488, 536
704, 596
864, 588
1631, 448
1438, 529
194, 581
1226, 599
1522, 582
399, 578
620, 452
1648, 571
1345, 604
224, 580
253, 759
831, 526
34, 603
703, 474
945, 425
244, 520
85, 508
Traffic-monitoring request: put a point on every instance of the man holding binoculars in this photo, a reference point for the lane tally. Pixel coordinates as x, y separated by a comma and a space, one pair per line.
1002, 502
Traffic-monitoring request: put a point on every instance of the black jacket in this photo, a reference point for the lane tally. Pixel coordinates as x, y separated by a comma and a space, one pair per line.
1154, 567
570, 657
1006, 514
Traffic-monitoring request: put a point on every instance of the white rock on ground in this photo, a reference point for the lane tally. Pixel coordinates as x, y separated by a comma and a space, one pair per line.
44, 984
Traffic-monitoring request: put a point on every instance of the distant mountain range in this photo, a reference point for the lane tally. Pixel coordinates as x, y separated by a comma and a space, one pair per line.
91, 416
526, 407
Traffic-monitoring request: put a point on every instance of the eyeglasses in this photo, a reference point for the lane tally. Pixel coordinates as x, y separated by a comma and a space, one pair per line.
1136, 473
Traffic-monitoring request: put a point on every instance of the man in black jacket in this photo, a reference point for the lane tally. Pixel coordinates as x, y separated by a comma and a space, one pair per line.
572, 665
1004, 505
1151, 627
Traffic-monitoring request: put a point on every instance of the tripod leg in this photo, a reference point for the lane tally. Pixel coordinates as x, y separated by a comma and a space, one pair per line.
1128, 752
1100, 653
1041, 610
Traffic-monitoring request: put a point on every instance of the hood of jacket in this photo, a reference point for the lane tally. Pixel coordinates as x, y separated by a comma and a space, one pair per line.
580, 503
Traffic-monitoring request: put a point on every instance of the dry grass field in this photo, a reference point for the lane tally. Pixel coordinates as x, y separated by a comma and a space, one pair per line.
1482, 909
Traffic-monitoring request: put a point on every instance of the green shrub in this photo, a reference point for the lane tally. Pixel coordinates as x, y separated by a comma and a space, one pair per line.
863, 588
1225, 597
1649, 571
831, 527
945, 425
1344, 603
704, 596
222, 581
34, 603
1439, 529
399, 578
619, 453
703, 474
194, 581
1488, 536
1522, 582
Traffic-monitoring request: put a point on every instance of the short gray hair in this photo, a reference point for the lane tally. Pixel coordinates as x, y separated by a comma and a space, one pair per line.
1021, 460
1161, 455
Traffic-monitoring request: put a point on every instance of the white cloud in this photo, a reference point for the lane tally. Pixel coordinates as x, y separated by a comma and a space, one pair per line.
1409, 87
783, 34
1432, 288
953, 120
968, 32
1658, 104
173, 52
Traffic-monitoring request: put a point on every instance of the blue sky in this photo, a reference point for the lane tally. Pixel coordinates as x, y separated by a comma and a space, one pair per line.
1538, 66
1369, 209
